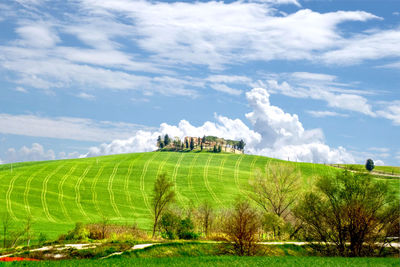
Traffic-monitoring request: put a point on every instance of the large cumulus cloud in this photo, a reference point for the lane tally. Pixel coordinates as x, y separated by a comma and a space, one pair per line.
274, 133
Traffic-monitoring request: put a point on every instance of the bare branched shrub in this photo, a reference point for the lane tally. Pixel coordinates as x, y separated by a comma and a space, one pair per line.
241, 228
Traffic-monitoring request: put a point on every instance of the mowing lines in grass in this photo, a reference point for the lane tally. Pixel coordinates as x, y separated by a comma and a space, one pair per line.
77, 192
174, 174
206, 182
144, 171
161, 166
44, 192
237, 173
110, 192
190, 183
221, 168
8, 196
252, 164
93, 189
27, 189
126, 184
61, 191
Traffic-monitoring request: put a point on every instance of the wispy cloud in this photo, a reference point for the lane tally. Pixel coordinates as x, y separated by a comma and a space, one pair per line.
66, 127
87, 96
323, 114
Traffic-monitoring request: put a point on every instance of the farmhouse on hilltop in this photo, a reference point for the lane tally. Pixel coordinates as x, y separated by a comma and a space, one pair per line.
207, 143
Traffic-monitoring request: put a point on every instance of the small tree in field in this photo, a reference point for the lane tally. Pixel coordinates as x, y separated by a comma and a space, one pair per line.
350, 214
163, 194
276, 192
369, 165
241, 228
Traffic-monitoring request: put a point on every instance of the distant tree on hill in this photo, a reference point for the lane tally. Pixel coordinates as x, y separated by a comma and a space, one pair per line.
369, 165
163, 194
215, 150
167, 140
187, 143
191, 143
162, 144
198, 141
159, 141
203, 139
241, 144
219, 149
201, 146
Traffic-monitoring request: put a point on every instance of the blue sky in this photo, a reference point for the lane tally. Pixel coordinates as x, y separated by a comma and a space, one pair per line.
310, 80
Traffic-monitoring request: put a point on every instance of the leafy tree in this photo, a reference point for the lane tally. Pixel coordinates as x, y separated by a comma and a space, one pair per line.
351, 214
163, 194
215, 150
369, 165
169, 225
191, 143
187, 143
201, 146
173, 226
198, 141
203, 140
219, 149
162, 144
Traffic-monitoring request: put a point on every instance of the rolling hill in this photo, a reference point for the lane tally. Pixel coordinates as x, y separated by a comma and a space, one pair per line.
56, 194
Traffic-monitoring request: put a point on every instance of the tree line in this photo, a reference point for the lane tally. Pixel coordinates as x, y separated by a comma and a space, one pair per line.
166, 143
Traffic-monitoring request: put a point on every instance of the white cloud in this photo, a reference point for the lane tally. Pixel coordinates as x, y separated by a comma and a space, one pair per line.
322, 114
87, 96
391, 112
275, 134
21, 89
369, 46
37, 35
225, 89
321, 91
279, 2
218, 33
66, 128
379, 163
34, 153
313, 76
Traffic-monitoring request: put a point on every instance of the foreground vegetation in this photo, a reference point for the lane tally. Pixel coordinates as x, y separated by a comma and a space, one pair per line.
222, 261
57, 194
339, 213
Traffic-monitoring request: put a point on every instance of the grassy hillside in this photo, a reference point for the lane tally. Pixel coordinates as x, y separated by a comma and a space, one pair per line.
59, 193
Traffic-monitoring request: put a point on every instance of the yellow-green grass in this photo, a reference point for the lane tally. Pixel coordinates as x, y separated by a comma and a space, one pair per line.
57, 194
379, 169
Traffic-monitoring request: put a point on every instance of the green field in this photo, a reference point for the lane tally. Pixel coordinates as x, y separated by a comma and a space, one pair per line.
56, 194
379, 169
222, 261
